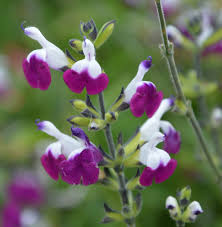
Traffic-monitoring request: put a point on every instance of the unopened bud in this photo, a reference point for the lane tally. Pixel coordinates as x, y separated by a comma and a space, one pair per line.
173, 207
216, 117
184, 196
192, 211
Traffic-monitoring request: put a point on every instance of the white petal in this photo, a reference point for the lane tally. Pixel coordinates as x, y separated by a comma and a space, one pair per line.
156, 158
40, 54
135, 82
166, 126
150, 127
171, 202
55, 57
176, 35
55, 149
152, 156
29, 217
165, 105
94, 69
88, 49
68, 143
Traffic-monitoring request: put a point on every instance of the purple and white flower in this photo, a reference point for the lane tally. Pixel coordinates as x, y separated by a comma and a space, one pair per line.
172, 138
170, 6
74, 159
142, 96
171, 203
37, 65
86, 73
159, 165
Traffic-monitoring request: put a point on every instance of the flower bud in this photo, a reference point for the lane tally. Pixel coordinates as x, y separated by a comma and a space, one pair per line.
173, 207
216, 117
184, 196
192, 211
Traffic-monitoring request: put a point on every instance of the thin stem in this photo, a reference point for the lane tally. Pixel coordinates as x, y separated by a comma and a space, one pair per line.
124, 193
168, 49
216, 141
180, 224
201, 99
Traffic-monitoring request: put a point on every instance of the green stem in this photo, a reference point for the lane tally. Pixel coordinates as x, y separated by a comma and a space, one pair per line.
168, 49
180, 224
201, 99
124, 193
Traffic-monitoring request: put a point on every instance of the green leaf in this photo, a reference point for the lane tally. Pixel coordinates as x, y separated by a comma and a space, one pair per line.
216, 37
104, 33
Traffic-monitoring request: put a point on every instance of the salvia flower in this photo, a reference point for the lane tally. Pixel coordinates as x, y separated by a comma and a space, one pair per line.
74, 159
142, 96
25, 189
170, 6
171, 203
199, 30
172, 139
159, 165
86, 73
37, 65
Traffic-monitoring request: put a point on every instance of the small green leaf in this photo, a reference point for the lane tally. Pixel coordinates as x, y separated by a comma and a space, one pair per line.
216, 37
104, 33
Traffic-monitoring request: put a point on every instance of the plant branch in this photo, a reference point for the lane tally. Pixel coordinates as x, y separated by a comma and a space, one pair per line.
124, 193
169, 54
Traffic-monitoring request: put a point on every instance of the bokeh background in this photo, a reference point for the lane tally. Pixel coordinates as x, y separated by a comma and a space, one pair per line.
135, 37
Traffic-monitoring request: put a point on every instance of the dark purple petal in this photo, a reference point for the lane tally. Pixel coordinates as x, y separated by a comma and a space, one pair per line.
78, 132
145, 99
37, 73
160, 174
26, 190
80, 168
147, 176
74, 81
96, 85
213, 49
172, 141
137, 104
51, 164
77, 81
164, 172
11, 215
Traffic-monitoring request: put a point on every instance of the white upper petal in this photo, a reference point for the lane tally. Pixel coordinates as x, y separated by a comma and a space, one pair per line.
152, 156
135, 82
40, 54
55, 57
68, 143
166, 126
55, 148
195, 207
75, 152
165, 105
88, 49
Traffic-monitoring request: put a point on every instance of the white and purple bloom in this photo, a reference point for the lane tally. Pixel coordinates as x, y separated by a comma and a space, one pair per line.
86, 73
172, 140
74, 159
181, 35
25, 189
142, 96
37, 65
170, 6
159, 165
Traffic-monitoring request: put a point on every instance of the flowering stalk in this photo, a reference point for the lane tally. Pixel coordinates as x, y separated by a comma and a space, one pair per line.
169, 54
124, 192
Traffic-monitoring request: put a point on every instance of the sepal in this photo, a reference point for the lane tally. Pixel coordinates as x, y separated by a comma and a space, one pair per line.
76, 45
111, 116
134, 183
79, 121
104, 33
111, 215
88, 29
214, 38
137, 204
184, 196
120, 104
96, 124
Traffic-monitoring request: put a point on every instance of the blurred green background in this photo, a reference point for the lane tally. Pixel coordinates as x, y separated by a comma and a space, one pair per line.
135, 37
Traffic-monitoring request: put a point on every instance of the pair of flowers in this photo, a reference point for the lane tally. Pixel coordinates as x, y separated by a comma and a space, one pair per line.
142, 96
76, 159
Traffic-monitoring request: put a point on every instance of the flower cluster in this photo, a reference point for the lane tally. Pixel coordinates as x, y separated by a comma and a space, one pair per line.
201, 32
23, 192
75, 158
